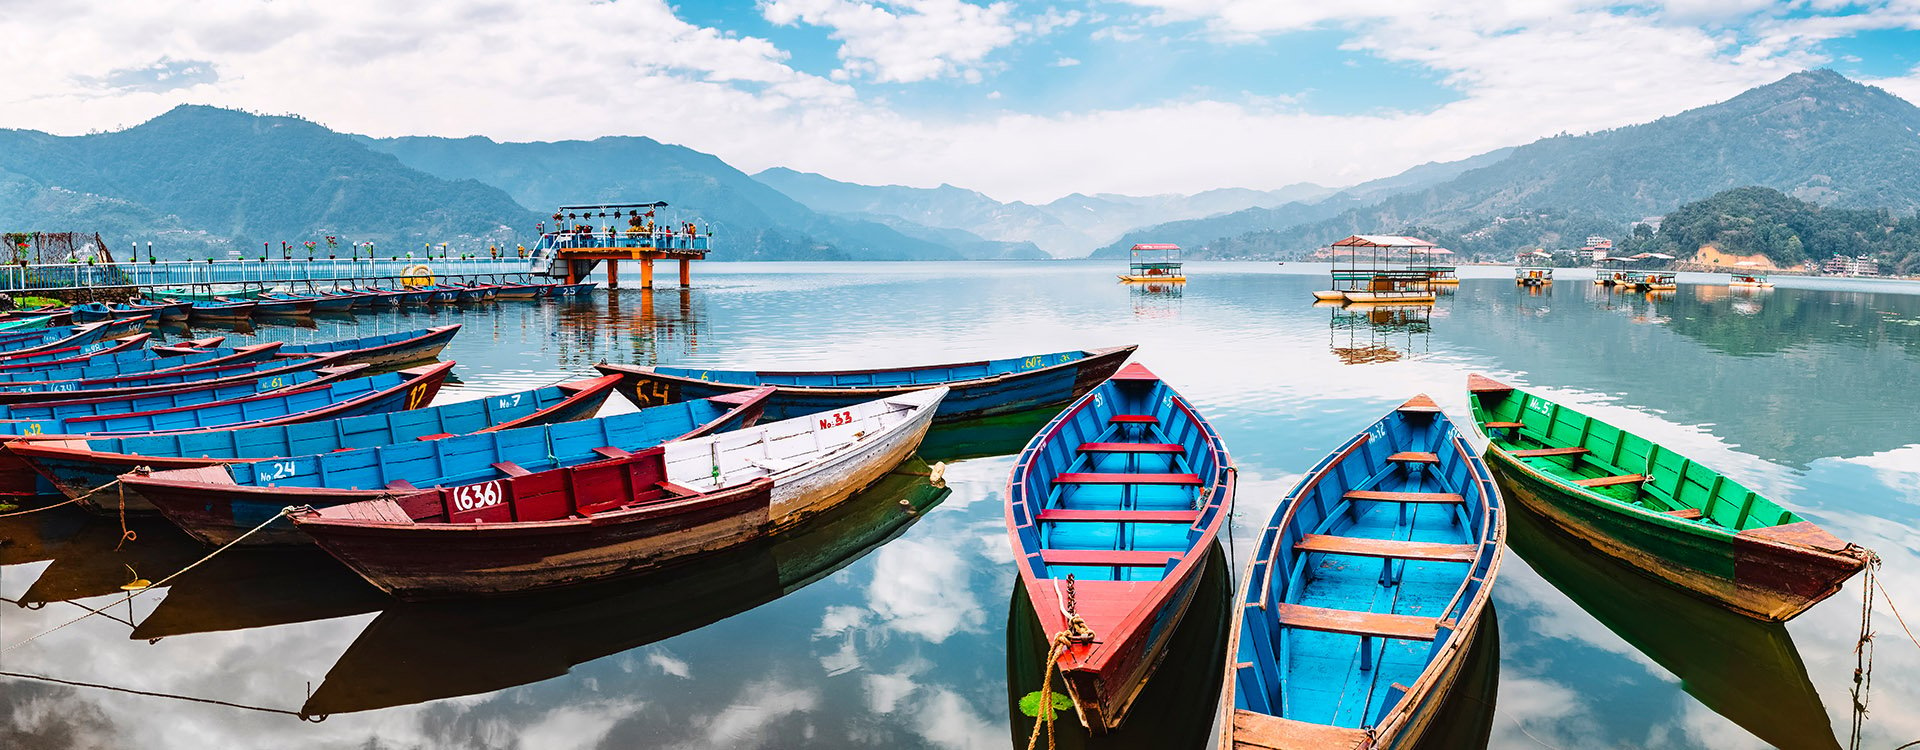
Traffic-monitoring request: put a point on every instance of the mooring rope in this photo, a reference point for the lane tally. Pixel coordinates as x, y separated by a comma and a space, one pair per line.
1076, 632
316, 718
69, 501
1863, 655
161, 582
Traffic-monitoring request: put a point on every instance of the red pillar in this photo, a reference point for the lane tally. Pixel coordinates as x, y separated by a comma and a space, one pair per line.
686, 272
613, 274
646, 273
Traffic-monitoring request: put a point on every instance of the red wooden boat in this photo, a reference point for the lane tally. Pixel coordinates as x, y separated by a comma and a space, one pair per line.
628, 514
1112, 509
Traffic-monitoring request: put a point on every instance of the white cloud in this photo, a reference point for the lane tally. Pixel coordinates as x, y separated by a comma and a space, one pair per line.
903, 41
525, 70
1065, 62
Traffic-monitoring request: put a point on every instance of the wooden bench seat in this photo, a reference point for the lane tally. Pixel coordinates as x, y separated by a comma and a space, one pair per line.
1131, 448
1402, 627
1686, 514
1115, 557
1134, 419
1414, 457
1540, 452
1118, 516
1611, 481
1387, 548
1088, 477
1404, 497
511, 469
1504, 425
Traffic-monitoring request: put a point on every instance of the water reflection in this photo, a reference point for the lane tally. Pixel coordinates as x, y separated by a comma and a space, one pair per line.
1743, 669
1176, 708
1361, 334
413, 653
1156, 300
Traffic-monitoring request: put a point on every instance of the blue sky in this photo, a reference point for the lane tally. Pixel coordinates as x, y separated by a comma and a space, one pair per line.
1026, 99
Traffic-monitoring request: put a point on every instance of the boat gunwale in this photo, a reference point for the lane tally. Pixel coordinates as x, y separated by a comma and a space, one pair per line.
1090, 355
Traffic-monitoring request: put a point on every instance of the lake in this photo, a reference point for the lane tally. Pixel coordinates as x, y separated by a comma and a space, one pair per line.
890, 623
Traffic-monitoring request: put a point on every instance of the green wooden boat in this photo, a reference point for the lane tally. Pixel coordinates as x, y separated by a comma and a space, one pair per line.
25, 324
1656, 510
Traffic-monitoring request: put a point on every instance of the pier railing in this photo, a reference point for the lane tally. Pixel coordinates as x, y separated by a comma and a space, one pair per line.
296, 271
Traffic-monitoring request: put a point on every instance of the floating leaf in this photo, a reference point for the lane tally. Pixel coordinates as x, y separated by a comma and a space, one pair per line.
1030, 704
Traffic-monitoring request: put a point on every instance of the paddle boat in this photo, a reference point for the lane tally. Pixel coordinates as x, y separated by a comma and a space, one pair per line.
1366, 591
1656, 510
217, 503
77, 466
1111, 509
978, 389
618, 512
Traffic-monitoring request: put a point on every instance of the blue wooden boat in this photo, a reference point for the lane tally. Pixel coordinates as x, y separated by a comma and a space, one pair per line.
118, 350
582, 289
1366, 590
91, 312
410, 296
26, 343
282, 306
161, 311
126, 326
266, 376
382, 349
406, 389
979, 389
437, 295
217, 503
134, 364
77, 466
322, 302
1112, 508
64, 406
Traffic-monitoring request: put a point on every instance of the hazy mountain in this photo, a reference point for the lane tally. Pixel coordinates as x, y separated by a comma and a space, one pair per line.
200, 178
753, 221
1814, 135
1067, 227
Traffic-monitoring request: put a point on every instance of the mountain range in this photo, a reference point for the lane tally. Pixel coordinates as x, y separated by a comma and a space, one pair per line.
202, 180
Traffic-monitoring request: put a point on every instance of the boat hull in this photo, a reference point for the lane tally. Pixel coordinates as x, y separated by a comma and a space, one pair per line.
966, 399
418, 349
1743, 572
1103, 697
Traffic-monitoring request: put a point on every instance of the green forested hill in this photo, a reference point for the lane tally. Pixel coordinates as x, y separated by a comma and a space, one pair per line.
1789, 231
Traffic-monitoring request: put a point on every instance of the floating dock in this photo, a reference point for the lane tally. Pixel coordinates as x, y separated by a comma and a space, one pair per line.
1154, 262
1379, 268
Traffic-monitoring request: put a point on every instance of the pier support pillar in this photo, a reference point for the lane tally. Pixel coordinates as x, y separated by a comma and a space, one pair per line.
613, 274
686, 272
646, 273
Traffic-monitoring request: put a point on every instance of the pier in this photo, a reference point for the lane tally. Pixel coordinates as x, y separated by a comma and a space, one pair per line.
577, 244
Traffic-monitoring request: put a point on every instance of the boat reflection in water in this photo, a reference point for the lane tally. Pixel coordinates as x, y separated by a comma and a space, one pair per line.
412, 653
1156, 299
89, 558
1465, 719
256, 588
998, 435
1741, 668
1367, 333
1175, 709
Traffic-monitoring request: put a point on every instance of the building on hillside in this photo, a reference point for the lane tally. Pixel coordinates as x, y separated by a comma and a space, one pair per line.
1841, 265
1596, 248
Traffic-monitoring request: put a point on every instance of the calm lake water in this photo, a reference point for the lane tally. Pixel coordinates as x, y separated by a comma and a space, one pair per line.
895, 623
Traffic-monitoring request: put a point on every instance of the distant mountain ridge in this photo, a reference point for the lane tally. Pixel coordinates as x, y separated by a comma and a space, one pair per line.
1069, 226
1814, 135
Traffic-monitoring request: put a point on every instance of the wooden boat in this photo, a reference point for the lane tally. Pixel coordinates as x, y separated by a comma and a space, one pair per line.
217, 503
112, 374
59, 407
118, 350
436, 295
26, 323
75, 467
221, 311
978, 389
523, 529
1366, 589
1656, 510
27, 343
58, 315
131, 325
283, 306
322, 302
187, 347
519, 291
582, 289
240, 295
406, 389
1749, 280
382, 349
1118, 497
262, 376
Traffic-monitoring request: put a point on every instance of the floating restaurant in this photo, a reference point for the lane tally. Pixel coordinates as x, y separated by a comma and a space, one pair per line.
1533, 275
1150, 262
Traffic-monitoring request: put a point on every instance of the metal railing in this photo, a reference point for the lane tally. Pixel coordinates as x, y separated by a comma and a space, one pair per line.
300, 271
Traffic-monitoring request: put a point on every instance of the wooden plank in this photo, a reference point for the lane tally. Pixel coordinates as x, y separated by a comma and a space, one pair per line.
511, 469
1134, 419
1257, 731
1119, 516
1115, 557
1402, 627
1611, 481
1505, 425
1415, 457
1685, 514
1387, 548
1421, 404
1404, 497
1539, 452
1131, 448
1477, 383
1087, 477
